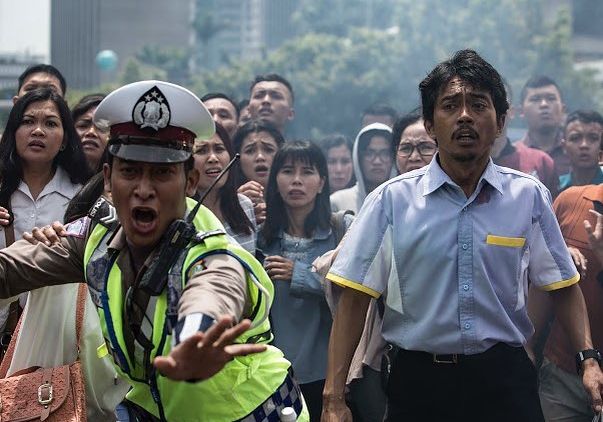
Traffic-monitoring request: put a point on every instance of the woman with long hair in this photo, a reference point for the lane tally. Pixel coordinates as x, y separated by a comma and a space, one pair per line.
257, 142
42, 166
235, 211
298, 229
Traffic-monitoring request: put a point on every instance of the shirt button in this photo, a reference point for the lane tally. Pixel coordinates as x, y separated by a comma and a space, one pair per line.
465, 246
465, 287
467, 326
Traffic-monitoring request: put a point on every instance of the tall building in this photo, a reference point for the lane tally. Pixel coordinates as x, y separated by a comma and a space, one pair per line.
241, 30
80, 29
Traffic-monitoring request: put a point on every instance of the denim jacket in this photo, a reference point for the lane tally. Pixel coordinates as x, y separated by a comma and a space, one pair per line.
300, 317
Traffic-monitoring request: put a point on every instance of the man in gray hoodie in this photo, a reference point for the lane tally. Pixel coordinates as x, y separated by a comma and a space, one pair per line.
373, 159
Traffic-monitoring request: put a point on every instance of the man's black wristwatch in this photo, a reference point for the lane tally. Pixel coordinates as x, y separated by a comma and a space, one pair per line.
587, 354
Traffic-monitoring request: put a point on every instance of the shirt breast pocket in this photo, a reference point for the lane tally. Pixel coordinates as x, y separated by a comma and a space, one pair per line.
504, 254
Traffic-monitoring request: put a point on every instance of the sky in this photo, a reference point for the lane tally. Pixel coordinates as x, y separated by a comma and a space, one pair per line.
25, 27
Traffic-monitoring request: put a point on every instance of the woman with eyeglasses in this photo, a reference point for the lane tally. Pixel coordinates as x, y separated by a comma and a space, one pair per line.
415, 148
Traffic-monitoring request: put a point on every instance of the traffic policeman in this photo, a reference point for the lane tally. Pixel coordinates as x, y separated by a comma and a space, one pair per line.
184, 312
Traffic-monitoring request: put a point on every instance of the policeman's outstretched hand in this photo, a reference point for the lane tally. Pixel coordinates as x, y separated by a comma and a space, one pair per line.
203, 355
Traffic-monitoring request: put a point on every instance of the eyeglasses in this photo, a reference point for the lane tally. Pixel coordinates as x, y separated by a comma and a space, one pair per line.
424, 149
383, 154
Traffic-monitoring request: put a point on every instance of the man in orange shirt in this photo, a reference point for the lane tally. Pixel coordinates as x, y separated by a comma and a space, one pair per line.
561, 392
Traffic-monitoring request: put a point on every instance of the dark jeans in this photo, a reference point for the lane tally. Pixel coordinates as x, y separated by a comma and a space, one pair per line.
312, 392
498, 385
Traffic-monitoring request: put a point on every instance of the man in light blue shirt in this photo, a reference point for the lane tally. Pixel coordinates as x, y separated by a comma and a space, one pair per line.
453, 247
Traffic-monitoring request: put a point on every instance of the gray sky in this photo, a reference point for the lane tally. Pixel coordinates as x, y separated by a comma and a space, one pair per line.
25, 27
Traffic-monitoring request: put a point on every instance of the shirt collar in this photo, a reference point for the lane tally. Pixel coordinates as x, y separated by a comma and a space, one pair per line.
60, 183
435, 177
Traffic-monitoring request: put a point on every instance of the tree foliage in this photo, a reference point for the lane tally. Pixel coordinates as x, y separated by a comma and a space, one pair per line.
344, 61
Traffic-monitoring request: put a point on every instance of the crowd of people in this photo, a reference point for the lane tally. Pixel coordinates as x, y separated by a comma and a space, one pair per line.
468, 286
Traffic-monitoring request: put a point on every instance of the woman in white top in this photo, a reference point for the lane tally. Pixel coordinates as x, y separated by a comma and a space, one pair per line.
42, 166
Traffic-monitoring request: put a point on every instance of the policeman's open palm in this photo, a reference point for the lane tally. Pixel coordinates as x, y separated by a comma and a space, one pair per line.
203, 355
279, 268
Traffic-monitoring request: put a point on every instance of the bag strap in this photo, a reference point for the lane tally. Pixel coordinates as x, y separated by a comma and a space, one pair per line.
79, 314
9, 234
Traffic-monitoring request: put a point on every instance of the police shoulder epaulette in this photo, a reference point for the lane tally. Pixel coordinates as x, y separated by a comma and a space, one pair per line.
102, 212
201, 236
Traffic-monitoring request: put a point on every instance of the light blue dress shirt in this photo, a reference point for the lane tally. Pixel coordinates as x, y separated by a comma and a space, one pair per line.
454, 269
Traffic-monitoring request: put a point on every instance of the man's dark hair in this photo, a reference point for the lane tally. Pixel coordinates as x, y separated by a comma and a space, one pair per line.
472, 69
85, 104
43, 68
585, 116
213, 95
402, 123
273, 77
538, 81
381, 109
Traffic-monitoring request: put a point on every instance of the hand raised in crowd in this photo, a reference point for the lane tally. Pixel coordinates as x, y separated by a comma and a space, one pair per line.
595, 235
49, 235
579, 260
4, 217
203, 355
252, 190
279, 268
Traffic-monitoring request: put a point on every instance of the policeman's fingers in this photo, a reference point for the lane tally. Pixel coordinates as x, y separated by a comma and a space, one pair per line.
215, 332
244, 349
229, 335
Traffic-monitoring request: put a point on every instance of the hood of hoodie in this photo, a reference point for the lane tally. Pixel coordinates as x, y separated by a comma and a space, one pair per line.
376, 128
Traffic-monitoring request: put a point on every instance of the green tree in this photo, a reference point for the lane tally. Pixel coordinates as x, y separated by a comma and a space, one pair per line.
338, 71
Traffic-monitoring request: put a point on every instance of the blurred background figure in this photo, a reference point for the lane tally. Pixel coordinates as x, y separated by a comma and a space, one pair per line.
373, 160
224, 110
235, 211
379, 113
297, 230
271, 100
257, 141
338, 152
543, 110
41, 76
582, 145
519, 156
94, 138
414, 147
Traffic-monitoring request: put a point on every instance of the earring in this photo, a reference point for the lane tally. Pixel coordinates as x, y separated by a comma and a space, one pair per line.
62, 148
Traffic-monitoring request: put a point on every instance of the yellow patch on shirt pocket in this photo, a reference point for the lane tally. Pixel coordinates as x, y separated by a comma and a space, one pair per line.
510, 242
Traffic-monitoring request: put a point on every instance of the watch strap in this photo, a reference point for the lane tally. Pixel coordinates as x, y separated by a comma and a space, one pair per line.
587, 354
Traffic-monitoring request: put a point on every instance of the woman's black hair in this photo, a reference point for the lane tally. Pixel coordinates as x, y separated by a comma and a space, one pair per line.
229, 202
253, 126
71, 158
85, 198
276, 213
